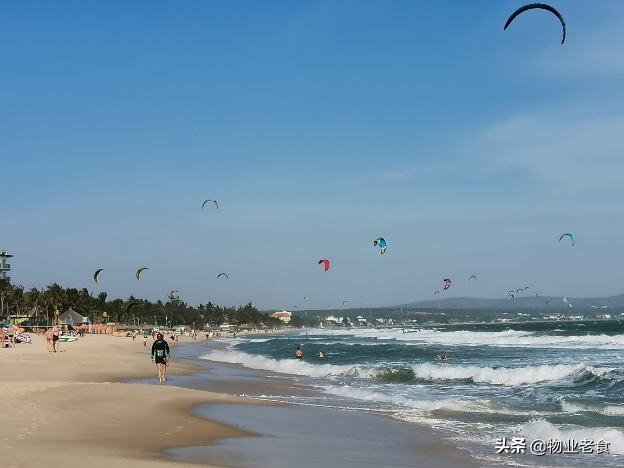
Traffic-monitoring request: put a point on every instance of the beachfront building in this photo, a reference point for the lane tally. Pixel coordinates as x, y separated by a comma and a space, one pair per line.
284, 316
72, 317
4, 266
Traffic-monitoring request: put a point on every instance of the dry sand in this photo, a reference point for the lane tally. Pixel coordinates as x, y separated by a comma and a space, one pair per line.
70, 408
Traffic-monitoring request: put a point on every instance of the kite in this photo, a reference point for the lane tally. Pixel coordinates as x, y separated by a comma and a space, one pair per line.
569, 235
518, 291
381, 242
211, 200
325, 262
306, 298
174, 291
223, 274
526, 288
542, 6
512, 296
565, 300
538, 293
447, 284
437, 292
140, 270
472, 276
344, 302
95, 276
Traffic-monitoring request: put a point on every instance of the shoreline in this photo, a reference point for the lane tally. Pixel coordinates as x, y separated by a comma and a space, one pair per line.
93, 401
301, 434
72, 406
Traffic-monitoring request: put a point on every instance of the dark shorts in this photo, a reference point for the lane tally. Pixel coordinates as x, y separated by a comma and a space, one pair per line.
55, 338
160, 361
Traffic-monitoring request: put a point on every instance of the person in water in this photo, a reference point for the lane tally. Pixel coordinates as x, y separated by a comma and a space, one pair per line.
161, 355
299, 353
321, 354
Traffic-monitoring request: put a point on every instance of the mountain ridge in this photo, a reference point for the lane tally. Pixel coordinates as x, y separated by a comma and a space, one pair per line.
519, 302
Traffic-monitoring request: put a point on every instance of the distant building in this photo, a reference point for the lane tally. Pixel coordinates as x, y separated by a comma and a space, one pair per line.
4, 266
284, 316
333, 320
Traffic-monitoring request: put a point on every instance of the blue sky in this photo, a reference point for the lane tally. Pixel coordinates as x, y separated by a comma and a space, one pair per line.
318, 126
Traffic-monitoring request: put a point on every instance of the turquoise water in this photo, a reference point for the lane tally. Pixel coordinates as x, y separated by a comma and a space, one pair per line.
538, 381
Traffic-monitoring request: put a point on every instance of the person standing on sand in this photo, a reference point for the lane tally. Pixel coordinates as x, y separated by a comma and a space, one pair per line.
1, 336
299, 353
145, 340
11, 332
161, 355
48, 335
56, 334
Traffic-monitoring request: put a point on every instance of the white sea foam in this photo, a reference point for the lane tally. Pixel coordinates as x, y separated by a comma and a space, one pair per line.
576, 407
283, 366
571, 407
498, 376
507, 338
427, 371
379, 397
542, 429
416, 408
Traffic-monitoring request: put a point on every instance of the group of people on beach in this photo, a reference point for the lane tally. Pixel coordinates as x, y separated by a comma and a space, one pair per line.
299, 353
53, 336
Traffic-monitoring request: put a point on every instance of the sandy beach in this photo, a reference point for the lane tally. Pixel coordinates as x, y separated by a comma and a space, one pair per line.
74, 407
70, 407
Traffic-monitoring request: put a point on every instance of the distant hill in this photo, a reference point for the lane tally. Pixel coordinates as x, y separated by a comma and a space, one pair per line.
520, 302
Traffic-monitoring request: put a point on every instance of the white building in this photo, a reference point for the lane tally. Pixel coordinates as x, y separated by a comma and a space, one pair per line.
4, 266
334, 320
284, 316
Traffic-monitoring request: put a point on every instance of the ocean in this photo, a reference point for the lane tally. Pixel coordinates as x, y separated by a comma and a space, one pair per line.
529, 394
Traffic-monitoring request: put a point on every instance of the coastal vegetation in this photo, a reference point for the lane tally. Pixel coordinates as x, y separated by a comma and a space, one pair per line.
40, 307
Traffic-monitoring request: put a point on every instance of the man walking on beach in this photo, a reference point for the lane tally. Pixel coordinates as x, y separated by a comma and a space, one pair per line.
161, 355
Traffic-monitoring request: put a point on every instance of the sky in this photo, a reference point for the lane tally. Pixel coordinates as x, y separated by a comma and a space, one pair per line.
318, 126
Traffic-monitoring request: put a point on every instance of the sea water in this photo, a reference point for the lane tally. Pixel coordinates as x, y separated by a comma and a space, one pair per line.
508, 388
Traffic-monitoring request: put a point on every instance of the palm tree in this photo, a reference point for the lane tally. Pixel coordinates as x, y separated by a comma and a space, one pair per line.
32, 302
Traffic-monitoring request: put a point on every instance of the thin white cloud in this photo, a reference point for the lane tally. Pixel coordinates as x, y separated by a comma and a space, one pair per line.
562, 148
595, 52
